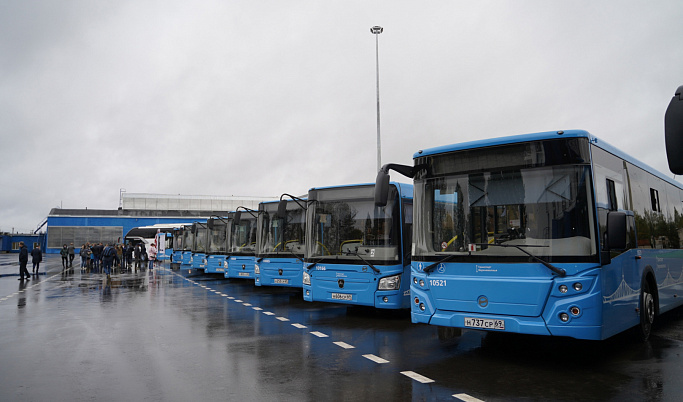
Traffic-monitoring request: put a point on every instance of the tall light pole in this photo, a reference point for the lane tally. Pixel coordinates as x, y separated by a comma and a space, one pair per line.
376, 30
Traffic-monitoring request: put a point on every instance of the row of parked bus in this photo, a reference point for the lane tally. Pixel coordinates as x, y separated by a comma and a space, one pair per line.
553, 233
353, 251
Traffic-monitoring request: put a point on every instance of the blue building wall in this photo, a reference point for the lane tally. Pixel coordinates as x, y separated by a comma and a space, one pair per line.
7, 240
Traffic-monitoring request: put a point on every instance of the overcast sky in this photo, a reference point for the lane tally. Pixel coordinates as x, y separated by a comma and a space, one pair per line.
257, 98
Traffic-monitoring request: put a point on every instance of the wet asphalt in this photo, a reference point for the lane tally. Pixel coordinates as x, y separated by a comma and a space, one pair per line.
181, 335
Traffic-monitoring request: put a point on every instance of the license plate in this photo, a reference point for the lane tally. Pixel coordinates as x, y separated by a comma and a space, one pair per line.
281, 281
243, 274
484, 323
341, 296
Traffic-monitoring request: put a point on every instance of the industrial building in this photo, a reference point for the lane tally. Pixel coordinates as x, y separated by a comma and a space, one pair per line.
79, 226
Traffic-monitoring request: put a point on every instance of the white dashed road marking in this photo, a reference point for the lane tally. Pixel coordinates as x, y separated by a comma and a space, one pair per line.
376, 359
417, 377
410, 374
467, 398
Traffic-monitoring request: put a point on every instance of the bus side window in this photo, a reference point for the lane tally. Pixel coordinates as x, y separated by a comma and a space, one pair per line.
654, 199
611, 196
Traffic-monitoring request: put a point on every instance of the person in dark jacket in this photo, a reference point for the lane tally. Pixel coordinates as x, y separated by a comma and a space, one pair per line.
37, 255
72, 254
64, 252
108, 255
129, 255
23, 260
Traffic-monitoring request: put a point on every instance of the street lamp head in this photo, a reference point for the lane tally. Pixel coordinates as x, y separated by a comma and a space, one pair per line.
376, 29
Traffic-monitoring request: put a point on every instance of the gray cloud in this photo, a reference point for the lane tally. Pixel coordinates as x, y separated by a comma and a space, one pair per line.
260, 98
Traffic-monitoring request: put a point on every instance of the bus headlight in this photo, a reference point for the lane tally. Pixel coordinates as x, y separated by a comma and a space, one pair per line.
257, 269
390, 283
307, 278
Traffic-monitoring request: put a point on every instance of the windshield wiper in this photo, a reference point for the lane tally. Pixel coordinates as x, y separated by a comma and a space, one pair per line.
377, 271
314, 263
559, 271
446, 259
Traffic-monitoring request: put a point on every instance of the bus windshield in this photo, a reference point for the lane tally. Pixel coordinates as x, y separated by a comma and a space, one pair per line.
188, 239
282, 235
200, 239
177, 240
547, 211
218, 238
243, 236
347, 229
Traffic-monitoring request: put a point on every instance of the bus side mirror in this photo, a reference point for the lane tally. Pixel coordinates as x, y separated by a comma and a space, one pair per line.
236, 219
673, 132
194, 228
616, 230
282, 209
381, 188
209, 224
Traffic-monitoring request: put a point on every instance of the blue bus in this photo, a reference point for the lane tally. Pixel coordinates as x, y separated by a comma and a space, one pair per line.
356, 252
198, 260
160, 233
187, 244
177, 254
553, 233
242, 244
281, 241
217, 246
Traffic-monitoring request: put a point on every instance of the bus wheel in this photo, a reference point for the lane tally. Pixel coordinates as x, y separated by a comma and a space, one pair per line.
448, 333
647, 311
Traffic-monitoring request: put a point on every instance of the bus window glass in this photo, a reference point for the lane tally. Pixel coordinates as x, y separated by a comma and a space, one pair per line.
546, 210
346, 229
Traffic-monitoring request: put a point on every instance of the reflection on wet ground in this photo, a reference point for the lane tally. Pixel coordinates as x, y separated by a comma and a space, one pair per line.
183, 335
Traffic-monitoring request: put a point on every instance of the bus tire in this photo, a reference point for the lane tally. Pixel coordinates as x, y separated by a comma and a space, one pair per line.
448, 333
647, 311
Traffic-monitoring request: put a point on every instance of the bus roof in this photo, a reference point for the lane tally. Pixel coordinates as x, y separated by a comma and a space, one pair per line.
546, 135
405, 189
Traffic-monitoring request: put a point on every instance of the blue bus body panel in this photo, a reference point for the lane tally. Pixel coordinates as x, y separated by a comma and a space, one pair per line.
166, 255
276, 271
216, 264
525, 296
360, 283
241, 266
198, 260
177, 257
187, 258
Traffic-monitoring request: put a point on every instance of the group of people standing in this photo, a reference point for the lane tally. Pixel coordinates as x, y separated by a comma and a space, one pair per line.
105, 257
96, 257
37, 258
